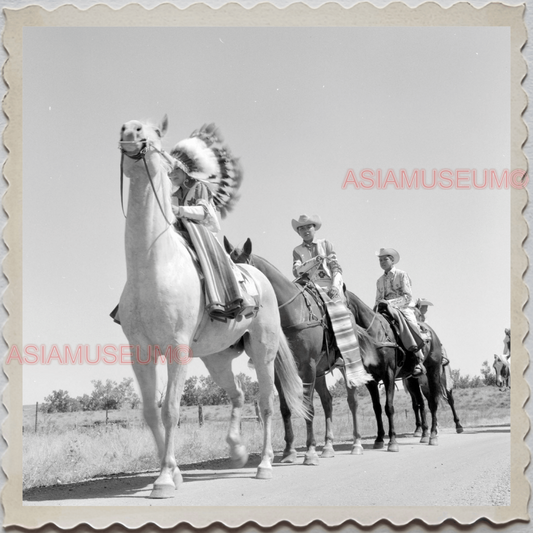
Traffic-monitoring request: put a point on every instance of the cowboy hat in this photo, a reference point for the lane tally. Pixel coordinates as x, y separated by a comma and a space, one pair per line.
423, 301
389, 251
304, 220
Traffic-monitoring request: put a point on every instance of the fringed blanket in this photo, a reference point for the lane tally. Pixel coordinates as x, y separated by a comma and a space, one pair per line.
345, 338
223, 295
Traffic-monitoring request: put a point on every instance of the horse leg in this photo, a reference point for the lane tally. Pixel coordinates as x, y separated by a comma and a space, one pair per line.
418, 399
372, 387
416, 409
388, 381
147, 380
327, 404
170, 476
263, 351
219, 366
351, 396
289, 453
451, 403
308, 377
433, 377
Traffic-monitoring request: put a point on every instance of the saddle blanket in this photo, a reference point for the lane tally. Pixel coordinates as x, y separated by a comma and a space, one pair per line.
342, 326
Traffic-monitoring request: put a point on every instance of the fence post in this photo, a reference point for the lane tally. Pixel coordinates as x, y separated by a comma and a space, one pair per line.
36, 416
200, 415
257, 413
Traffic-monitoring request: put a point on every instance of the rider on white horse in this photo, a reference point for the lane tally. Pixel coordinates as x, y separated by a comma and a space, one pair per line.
206, 178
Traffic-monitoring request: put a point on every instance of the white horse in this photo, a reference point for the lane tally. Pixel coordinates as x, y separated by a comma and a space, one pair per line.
162, 308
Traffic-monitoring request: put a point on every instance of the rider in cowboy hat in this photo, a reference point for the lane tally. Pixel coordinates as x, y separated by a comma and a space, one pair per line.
316, 261
421, 308
394, 289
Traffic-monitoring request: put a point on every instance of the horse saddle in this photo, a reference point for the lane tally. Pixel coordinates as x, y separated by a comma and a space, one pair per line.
406, 336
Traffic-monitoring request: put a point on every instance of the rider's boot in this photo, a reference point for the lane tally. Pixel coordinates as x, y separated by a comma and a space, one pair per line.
249, 305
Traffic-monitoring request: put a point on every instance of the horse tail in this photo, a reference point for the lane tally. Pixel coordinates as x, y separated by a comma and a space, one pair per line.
367, 346
290, 381
448, 382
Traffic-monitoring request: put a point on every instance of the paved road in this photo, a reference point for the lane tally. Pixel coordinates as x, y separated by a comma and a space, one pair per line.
470, 469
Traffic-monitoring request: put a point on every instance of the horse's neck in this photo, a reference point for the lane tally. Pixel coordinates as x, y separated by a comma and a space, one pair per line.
149, 236
365, 315
283, 287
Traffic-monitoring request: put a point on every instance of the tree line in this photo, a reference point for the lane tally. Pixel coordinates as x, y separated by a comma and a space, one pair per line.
198, 390
202, 390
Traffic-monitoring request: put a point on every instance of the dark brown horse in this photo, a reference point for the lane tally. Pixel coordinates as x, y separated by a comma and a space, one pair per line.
419, 408
503, 372
390, 366
306, 327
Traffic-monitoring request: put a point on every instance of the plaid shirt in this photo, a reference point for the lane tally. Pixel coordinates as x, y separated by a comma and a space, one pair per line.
395, 286
306, 252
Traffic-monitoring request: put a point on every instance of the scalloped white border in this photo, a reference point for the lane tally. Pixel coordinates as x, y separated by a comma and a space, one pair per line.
263, 14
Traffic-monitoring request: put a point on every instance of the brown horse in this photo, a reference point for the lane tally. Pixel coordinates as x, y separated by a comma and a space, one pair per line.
446, 382
389, 366
305, 325
503, 372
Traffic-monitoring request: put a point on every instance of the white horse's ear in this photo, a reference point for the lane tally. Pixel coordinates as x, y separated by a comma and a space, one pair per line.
163, 126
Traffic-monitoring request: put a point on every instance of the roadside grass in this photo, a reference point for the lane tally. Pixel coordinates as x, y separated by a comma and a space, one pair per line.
69, 447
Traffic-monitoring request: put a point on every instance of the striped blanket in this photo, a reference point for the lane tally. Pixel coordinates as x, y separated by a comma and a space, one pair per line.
345, 338
223, 295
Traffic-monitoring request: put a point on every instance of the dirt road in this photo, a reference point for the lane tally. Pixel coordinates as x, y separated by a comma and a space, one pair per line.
470, 469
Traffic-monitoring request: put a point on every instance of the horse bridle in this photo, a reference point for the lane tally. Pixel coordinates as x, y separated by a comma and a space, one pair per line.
137, 156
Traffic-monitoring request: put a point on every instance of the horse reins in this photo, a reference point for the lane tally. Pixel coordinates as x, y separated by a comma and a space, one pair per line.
141, 154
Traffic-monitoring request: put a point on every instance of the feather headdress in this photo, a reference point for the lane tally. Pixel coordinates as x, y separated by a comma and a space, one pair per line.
203, 157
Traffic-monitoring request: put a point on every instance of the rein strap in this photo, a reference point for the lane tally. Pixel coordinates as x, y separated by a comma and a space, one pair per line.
137, 157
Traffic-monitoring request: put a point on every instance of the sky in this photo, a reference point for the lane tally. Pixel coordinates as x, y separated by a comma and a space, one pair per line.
301, 107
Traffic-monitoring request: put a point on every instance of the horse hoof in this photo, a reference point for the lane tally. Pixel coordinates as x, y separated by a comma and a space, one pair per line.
424, 440
239, 457
459, 430
263, 473
289, 458
417, 433
378, 445
393, 447
311, 460
327, 453
357, 449
434, 441
163, 491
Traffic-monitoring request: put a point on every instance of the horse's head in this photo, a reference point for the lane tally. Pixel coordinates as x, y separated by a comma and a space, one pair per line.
239, 255
499, 368
139, 139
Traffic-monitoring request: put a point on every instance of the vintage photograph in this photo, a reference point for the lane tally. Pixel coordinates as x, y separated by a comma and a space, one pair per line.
257, 260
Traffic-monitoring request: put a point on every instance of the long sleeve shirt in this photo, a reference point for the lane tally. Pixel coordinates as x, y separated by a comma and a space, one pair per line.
326, 273
193, 201
395, 287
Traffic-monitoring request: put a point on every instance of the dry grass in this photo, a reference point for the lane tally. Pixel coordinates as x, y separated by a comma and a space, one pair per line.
64, 451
